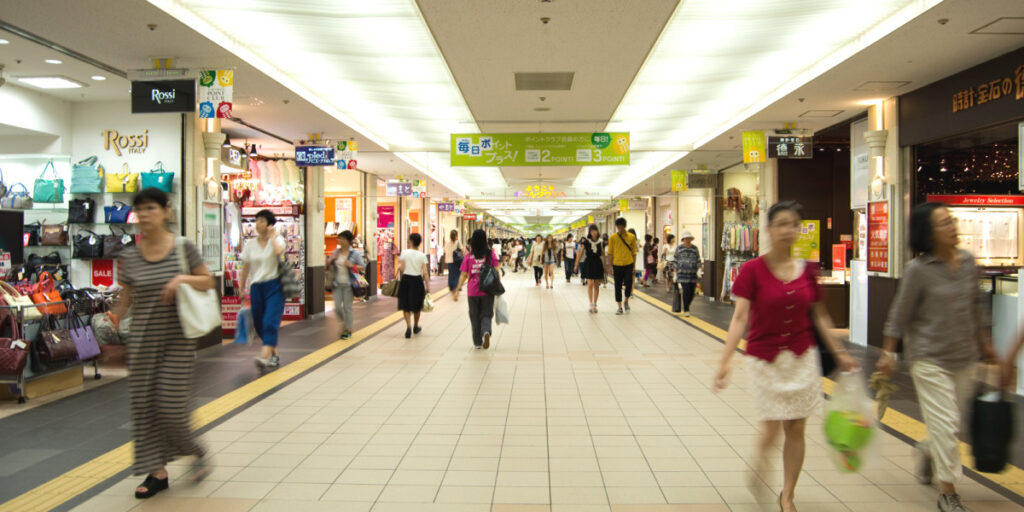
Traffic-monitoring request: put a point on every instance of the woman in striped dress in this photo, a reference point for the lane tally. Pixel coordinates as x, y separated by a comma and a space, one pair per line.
160, 358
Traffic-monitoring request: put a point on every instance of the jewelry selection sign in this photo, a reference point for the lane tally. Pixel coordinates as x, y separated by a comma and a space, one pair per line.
212, 243
878, 236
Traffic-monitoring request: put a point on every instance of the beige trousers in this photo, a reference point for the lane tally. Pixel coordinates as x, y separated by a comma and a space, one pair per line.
945, 398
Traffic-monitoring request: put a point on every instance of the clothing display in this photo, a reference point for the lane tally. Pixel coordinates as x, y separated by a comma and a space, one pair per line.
740, 237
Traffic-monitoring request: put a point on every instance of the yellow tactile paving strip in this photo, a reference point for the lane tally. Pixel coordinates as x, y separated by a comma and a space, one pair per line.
1012, 478
65, 487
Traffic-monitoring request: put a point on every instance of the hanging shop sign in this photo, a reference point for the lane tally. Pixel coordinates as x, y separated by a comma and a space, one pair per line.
446, 207
397, 189
216, 88
808, 244
102, 272
970, 200
539, 149
118, 143
293, 210
623, 205
312, 156
346, 153
235, 158
985, 95
539, 192
590, 219
679, 181
790, 146
469, 216
878, 236
163, 96
701, 179
754, 148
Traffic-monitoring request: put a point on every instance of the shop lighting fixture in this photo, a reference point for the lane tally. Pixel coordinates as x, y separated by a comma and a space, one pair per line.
252, 152
710, 70
51, 82
53, 61
98, 78
227, 142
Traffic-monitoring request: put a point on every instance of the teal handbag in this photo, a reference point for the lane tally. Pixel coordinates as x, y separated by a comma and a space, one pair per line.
87, 177
48, 191
158, 178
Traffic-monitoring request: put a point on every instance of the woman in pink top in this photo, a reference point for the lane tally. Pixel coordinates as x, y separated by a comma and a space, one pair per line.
780, 297
481, 305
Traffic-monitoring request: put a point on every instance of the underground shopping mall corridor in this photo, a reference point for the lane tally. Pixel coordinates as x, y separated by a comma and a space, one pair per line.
567, 411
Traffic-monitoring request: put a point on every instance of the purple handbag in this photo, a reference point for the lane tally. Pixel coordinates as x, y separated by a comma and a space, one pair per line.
83, 337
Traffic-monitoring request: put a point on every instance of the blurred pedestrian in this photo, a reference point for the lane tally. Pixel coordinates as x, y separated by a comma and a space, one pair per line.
415, 284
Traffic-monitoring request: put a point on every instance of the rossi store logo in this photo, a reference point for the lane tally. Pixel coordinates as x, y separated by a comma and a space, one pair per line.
160, 97
112, 140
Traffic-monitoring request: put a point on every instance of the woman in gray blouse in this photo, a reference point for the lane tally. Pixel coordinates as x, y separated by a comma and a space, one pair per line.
942, 318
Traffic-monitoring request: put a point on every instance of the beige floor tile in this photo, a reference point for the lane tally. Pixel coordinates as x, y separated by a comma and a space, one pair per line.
196, 505
635, 495
365, 476
259, 474
298, 491
579, 495
409, 493
243, 490
469, 478
522, 478
312, 506
108, 503
465, 494
352, 492
524, 495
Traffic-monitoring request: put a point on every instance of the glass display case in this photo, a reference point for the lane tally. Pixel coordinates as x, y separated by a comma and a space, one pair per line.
1006, 285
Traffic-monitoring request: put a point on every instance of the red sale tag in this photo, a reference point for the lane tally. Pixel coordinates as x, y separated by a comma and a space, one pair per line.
102, 272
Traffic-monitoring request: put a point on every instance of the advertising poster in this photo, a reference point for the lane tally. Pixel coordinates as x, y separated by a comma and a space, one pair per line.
808, 246
878, 236
679, 181
385, 216
839, 256
215, 93
754, 148
539, 149
103, 272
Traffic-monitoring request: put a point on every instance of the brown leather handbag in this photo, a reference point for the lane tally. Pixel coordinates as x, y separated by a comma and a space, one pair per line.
56, 234
55, 343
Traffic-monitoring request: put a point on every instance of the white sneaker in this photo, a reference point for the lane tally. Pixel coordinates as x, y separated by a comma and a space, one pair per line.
262, 362
951, 503
686, 314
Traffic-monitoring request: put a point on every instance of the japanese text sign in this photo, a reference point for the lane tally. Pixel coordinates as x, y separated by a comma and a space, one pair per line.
753, 148
446, 207
215, 93
310, 156
790, 146
808, 244
839, 256
539, 149
878, 236
678, 181
398, 189
1011, 84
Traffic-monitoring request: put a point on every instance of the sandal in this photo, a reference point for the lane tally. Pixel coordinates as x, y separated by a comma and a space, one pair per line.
153, 485
200, 470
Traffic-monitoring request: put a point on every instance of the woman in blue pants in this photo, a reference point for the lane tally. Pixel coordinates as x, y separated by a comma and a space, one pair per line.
259, 261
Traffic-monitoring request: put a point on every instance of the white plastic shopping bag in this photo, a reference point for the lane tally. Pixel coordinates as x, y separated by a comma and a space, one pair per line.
501, 310
245, 329
850, 424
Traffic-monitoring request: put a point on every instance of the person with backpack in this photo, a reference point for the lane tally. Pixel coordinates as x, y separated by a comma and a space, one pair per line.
622, 249
481, 304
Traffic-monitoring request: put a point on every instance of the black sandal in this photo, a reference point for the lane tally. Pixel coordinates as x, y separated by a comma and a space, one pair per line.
153, 485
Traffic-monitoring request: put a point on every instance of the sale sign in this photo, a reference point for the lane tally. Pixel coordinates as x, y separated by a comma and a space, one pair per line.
878, 236
102, 272
838, 256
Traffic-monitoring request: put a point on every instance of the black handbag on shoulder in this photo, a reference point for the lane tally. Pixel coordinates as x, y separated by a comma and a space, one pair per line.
81, 211
490, 283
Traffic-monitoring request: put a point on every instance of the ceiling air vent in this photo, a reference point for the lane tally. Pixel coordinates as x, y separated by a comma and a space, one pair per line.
557, 81
880, 86
821, 113
1006, 26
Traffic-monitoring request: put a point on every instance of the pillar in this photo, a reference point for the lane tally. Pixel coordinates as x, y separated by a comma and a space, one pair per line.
315, 271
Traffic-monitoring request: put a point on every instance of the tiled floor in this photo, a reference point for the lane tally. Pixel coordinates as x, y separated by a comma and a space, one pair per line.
567, 411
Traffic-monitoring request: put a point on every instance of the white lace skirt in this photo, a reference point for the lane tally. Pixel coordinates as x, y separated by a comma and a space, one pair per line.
788, 388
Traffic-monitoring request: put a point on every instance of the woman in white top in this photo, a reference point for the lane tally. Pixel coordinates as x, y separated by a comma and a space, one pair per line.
569, 257
450, 246
412, 266
668, 262
260, 258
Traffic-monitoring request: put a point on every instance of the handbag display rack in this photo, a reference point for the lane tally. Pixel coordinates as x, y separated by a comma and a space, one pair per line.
31, 331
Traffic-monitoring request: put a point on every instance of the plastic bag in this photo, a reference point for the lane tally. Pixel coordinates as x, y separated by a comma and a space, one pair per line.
501, 310
245, 329
428, 303
850, 424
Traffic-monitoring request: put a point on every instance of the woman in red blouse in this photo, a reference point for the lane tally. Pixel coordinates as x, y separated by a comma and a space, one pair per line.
780, 297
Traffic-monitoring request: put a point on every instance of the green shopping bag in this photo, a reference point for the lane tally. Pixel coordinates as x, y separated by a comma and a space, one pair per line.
48, 191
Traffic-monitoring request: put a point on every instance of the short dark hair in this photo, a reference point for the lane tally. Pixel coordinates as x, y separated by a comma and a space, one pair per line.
347, 235
416, 239
152, 195
454, 235
921, 240
784, 206
621, 221
669, 238
648, 237
268, 216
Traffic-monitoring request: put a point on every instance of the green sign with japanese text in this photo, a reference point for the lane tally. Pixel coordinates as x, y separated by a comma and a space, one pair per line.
808, 245
539, 149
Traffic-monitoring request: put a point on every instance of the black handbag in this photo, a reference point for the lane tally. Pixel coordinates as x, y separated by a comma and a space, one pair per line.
490, 283
992, 428
81, 211
88, 245
677, 299
33, 230
115, 242
52, 259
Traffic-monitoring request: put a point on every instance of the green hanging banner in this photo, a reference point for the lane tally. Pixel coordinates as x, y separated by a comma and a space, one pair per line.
539, 149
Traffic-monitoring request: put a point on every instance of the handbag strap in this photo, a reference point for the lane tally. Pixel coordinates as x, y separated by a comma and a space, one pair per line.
89, 161
157, 167
119, 204
43, 278
49, 166
179, 249
125, 169
24, 189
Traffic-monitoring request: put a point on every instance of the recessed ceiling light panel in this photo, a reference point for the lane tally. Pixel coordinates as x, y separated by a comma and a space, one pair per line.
4, 41
98, 78
821, 113
51, 82
881, 85
53, 61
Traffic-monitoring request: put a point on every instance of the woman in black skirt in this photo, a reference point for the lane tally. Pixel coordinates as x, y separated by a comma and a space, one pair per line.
591, 263
412, 266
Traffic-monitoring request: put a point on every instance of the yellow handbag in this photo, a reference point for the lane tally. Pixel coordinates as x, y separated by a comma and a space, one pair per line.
125, 181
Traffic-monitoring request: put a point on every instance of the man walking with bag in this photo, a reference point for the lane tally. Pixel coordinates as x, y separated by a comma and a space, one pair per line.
622, 249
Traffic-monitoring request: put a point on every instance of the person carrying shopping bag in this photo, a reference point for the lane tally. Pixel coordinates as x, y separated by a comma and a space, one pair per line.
260, 258
349, 261
414, 286
943, 320
622, 249
452, 254
481, 304
536, 258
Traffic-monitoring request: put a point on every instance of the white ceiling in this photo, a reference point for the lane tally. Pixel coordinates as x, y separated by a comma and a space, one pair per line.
21, 58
